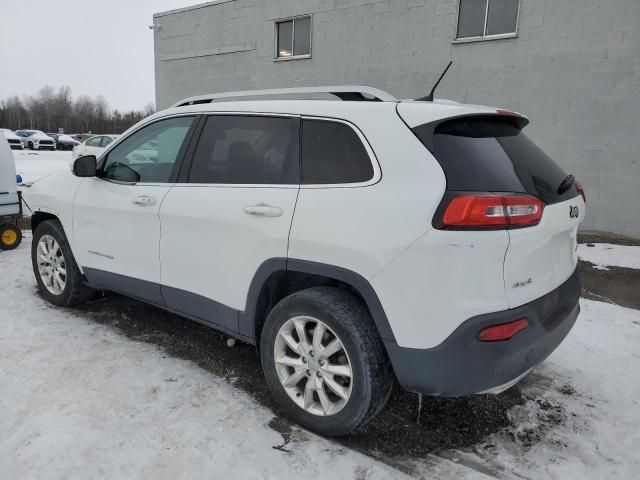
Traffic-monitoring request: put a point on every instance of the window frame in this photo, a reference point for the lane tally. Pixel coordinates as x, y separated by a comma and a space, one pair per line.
187, 161
377, 172
180, 158
277, 22
484, 36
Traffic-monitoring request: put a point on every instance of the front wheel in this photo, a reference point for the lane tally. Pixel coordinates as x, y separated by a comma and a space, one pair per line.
58, 276
324, 361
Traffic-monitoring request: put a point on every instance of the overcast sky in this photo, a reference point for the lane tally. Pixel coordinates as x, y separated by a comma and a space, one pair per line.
95, 47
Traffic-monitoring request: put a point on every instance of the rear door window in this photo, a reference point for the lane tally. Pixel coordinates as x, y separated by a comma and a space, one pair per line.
484, 154
247, 150
332, 153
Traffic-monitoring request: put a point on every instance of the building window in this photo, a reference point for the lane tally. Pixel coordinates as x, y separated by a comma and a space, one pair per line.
487, 19
293, 38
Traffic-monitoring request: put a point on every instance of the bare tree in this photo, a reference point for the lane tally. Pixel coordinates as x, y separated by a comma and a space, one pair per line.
51, 111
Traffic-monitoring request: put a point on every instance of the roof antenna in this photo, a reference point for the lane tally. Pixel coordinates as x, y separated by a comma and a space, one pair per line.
429, 98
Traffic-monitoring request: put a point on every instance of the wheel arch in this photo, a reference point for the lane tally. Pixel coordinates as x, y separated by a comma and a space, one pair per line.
278, 278
38, 217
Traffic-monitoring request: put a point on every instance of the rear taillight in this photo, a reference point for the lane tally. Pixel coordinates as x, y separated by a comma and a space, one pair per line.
503, 331
581, 190
492, 211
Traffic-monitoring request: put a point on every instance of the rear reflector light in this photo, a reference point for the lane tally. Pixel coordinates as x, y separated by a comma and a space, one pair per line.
493, 211
504, 331
581, 190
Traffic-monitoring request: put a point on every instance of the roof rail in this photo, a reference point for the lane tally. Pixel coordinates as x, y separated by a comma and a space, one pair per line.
343, 92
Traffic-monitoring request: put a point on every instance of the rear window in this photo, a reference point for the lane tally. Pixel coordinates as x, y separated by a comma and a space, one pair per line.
483, 154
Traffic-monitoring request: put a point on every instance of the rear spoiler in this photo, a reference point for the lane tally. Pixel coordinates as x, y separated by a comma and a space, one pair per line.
428, 130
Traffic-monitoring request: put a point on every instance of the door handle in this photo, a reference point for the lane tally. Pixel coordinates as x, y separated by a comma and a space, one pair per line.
263, 210
144, 201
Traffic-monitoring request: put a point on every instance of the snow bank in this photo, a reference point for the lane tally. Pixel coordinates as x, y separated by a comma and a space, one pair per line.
603, 255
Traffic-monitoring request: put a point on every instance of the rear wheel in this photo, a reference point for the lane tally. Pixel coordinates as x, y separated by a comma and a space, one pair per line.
10, 237
324, 361
58, 276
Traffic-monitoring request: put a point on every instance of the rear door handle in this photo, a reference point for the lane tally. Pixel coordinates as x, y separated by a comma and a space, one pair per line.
144, 201
263, 210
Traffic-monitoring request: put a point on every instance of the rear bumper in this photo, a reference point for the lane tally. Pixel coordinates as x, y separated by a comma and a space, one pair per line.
463, 365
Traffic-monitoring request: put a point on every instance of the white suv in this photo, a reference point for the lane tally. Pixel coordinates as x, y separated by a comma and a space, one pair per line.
353, 242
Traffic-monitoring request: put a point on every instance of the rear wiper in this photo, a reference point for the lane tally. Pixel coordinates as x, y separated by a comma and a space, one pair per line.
566, 184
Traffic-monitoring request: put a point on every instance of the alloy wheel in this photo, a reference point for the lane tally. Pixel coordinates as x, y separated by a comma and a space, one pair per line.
52, 266
313, 366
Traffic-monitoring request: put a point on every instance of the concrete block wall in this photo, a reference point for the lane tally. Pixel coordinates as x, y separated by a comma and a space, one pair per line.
574, 69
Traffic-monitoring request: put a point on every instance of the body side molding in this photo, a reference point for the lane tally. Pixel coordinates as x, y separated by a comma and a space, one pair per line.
226, 319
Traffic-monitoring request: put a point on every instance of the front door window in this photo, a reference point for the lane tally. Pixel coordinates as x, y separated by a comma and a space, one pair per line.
149, 155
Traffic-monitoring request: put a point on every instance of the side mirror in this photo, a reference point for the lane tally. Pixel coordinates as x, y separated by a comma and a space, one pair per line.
85, 166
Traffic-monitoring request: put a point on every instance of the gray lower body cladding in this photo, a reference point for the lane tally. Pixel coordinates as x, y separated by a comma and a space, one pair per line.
463, 365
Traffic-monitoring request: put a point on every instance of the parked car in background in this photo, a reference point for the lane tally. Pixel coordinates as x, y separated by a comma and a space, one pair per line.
458, 277
36, 140
15, 142
93, 146
81, 137
64, 142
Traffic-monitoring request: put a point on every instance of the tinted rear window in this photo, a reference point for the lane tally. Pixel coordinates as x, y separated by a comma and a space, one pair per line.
493, 155
333, 153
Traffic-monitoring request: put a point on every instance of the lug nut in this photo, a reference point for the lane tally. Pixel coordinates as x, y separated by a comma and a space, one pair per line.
319, 374
308, 372
321, 362
304, 359
311, 353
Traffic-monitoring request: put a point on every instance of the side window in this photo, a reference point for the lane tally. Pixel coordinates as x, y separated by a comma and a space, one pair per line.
247, 150
106, 141
333, 153
148, 155
94, 142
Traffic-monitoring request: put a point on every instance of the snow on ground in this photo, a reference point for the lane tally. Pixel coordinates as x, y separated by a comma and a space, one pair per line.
34, 164
78, 400
603, 255
591, 386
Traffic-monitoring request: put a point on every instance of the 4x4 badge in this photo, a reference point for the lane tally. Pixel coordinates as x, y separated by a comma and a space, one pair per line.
573, 212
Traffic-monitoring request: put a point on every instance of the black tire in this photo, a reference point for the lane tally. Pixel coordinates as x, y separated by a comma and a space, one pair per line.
349, 318
75, 291
10, 237
30, 146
